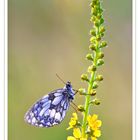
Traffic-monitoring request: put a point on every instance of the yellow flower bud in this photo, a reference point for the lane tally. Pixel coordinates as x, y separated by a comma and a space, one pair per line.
92, 68
100, 55
99, 78
92, 19
93, 32
98, 37
99, 15
89, 56
93, 11
95, 85
97, 102
93, 92
101, 21
100, 62
92, 47
84, 77
103, 44
92, 39
81, 108
102, 29
97, 22
82, 91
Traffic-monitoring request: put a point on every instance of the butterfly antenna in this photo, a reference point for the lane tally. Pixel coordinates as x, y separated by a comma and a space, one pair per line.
60, 78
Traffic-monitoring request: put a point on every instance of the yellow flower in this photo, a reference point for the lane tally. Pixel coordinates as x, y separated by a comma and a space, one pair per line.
83, 138
93, 122
92, 119
75, 116
71, 138
93, 138
77, 133
97, 133
73, 121
96, 125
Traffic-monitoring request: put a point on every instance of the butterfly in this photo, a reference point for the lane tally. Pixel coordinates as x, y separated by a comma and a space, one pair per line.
51, 109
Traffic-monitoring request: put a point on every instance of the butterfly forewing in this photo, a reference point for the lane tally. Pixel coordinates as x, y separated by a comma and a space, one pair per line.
49, 110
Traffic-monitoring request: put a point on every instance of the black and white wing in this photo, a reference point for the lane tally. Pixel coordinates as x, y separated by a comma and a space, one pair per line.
49, 110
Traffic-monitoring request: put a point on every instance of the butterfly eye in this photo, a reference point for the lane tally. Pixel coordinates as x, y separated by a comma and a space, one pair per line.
68, 84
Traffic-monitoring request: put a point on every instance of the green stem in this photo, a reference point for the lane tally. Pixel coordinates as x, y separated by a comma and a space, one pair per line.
97, 23
87, 105
90, 86
87, 102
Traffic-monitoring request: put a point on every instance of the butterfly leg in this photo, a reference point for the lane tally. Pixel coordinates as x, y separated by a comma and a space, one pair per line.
76, 109
76, 91
74, 104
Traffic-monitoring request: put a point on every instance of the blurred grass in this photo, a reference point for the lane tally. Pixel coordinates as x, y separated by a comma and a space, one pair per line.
48, 37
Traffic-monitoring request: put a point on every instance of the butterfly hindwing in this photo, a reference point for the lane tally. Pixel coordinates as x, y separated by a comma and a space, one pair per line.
49, 110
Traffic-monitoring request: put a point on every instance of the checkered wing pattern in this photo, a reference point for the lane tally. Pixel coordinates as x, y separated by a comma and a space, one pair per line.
49, 110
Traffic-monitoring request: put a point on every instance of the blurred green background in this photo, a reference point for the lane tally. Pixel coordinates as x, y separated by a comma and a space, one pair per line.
51, 36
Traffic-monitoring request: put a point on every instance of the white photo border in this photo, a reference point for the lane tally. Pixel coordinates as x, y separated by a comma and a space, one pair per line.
136, 66
4, 69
